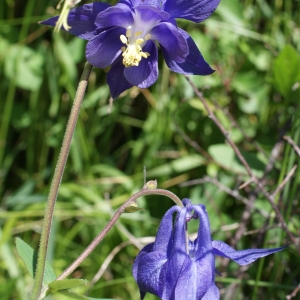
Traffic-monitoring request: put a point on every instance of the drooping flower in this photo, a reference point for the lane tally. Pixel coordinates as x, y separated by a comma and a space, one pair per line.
173, 268
124, 37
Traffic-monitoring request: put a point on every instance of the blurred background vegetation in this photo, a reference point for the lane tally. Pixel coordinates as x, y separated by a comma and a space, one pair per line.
254, 47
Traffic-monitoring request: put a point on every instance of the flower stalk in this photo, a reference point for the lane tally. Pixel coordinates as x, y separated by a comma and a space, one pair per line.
113, 220
58, 173
146, 190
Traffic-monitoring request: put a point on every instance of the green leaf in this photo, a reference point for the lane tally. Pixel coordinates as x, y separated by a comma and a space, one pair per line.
66, 59
225, 156
24, 66
232, 12
67, 283
24, 195
71, 294
29, 257
179, 165
4, 46
286, 70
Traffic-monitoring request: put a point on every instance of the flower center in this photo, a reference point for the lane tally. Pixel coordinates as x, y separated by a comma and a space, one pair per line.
132, 52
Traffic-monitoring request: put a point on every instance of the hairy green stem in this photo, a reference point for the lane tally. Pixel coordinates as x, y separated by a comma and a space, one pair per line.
58, 173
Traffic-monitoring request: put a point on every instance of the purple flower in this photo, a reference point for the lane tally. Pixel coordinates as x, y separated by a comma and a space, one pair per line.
173, 270
124, 37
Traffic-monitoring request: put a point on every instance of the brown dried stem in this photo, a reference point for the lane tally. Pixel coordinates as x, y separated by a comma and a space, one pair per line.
261, 187
294, 293
293, 144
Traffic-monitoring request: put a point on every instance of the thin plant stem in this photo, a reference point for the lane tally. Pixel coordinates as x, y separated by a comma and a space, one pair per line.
253, 178
111, 223
233, 193
58, 173
132, 200
293, 144
294, 293
113, 253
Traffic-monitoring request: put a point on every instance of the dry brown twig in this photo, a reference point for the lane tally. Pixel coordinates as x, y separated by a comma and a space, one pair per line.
113, 253
262, 230
284, 182
275, 153
235, 124
233, 193
294, 293
259, 184
293, 144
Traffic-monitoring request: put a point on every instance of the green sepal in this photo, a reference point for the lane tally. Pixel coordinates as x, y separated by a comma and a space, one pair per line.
132, 208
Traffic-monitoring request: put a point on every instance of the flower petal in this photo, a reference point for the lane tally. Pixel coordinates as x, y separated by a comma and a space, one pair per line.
178, 256
82, 19
116, 80
151, 272
196, 276
165, 231
119, 15
194, 63
194, 10
213, 293
147, 249
146, 73
242, 257
151, 14
156, 3
153, 256
172, 40
186, 202
202, 243
105, 47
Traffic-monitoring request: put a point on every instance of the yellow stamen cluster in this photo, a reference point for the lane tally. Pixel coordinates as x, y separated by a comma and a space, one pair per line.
132, 54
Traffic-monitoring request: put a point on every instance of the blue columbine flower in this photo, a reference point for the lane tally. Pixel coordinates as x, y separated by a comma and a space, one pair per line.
174, 269
123, 37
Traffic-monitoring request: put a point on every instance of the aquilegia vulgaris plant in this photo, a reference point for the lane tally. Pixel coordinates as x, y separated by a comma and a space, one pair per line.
124, 37
174, 268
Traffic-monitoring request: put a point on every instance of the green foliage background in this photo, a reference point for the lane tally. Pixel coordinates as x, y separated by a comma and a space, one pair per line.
254, 47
